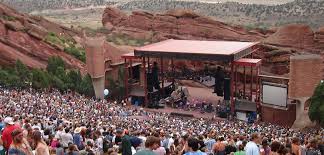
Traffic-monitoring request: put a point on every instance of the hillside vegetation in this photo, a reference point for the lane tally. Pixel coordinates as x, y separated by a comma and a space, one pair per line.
251, 13
300, 11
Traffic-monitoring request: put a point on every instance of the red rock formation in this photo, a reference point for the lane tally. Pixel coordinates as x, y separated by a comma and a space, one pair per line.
176, 24
319, 38
293, 35
22, 37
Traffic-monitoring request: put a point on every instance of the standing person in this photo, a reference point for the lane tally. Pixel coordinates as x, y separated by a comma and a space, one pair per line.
99, 141
275, 146
265, 150
6, 133
210, 142
19, 145
240, 150
66, 138
295, 146
151, 143
192, 148
219, 147
41, 147
77, 138
230, 147
72, 150
252, 147
1, 124
313, 148
143, 138
126, 145
2, 150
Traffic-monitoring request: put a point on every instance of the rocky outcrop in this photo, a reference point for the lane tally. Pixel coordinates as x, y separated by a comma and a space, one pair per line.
293, 39
177, 23
293, 35
319, 37
23, 37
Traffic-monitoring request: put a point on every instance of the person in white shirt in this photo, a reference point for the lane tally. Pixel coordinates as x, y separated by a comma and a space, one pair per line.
252, 147
143, 138
66, 138
99, 142
167, 142
59, 133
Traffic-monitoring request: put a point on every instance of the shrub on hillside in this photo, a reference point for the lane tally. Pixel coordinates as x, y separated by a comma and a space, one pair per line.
316, 108
55, 76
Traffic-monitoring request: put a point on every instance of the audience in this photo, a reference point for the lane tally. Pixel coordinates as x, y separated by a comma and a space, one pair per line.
50, 122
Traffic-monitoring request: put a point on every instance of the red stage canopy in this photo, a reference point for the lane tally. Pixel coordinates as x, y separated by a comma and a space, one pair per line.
197, 50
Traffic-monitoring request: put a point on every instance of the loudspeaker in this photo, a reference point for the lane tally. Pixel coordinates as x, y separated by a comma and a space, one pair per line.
149, 82
222, 114
218, 88
149, 78
227, 88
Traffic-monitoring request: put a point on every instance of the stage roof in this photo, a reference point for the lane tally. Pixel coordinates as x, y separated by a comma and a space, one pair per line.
129, 56
197, 50
248, 62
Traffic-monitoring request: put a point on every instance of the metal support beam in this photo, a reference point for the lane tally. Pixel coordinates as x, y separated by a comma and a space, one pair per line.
148, 64
251, 88
258, 87
145, 82
173, 72
244, 82
236, 80
126, 79
162, 75
131, 68
232, 90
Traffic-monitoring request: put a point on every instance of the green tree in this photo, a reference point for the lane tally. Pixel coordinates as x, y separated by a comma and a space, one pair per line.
74, 79
78, 53
40, 79
86, 86
23, 73
54, 63
3, 77
13, 81
117, 87
316, 108
57, 83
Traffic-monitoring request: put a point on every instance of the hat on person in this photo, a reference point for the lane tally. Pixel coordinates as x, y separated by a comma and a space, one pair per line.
9, 120
77, 130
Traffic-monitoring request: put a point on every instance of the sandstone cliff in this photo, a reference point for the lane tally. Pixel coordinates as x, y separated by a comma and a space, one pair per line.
178, 24
23, 37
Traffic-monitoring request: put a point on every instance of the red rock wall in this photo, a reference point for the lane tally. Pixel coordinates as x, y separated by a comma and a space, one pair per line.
18, 40
176, 24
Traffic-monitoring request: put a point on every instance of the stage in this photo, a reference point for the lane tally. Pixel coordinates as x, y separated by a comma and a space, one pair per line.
195, 114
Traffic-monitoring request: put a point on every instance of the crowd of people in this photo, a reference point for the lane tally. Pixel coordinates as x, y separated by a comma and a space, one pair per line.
50, 122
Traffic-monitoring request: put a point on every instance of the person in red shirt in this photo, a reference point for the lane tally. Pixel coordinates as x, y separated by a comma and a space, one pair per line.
6, 133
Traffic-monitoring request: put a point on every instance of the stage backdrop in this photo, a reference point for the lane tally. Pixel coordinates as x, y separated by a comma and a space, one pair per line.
274, 94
